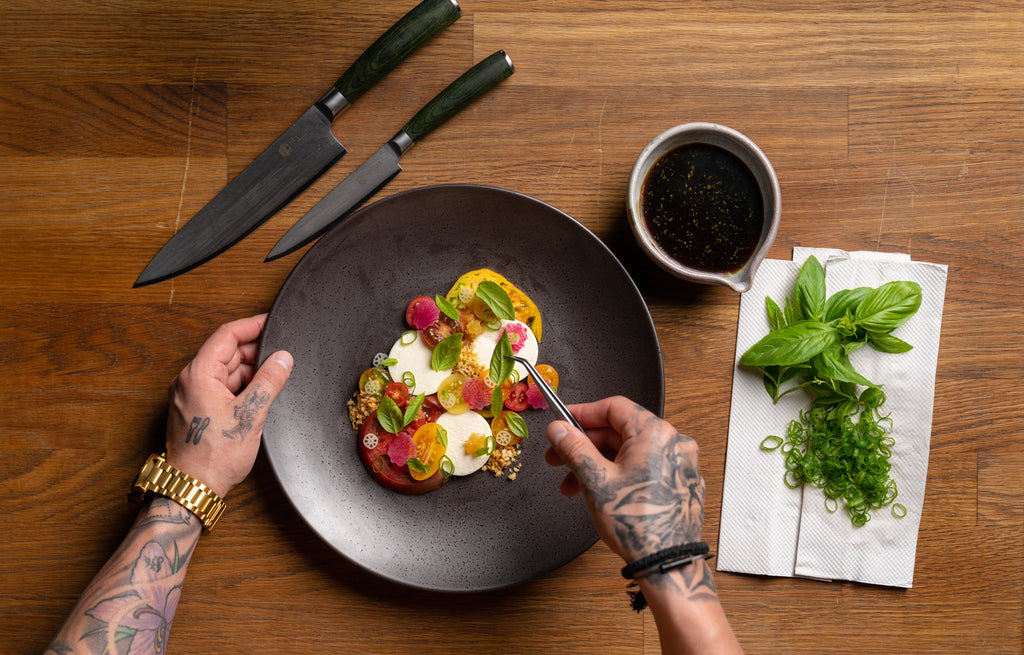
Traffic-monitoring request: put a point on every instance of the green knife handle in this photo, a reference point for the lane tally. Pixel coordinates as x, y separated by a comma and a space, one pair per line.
409, 33
471, 85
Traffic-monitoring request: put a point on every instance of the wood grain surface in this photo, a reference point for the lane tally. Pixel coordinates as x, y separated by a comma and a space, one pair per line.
895, 126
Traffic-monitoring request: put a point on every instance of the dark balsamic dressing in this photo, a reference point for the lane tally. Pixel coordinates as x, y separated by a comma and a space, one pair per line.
703, 207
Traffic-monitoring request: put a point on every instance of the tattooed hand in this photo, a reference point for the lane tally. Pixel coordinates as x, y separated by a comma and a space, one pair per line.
212, 433
640, 477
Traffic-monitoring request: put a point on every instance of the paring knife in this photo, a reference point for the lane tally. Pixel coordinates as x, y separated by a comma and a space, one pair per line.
383, 166
298, 157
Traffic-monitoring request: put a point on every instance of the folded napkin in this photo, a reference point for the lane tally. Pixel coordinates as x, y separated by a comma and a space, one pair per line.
767, 528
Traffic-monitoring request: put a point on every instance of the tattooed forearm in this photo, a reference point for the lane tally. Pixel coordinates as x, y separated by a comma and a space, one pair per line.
695, 581
246, 411
128, 606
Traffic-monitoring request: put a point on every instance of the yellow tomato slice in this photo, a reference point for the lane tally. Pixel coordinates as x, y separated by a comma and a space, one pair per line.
549, 374
431, 446
464, 290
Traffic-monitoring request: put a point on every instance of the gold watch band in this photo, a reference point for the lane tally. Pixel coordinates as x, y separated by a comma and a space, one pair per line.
159, 477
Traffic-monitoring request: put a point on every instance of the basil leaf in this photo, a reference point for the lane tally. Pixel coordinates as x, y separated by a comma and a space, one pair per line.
497, 299
389, 415
446, 308
446, 354
810, 289
442, 436
887, 343
833, 364
487, 449
497, 401
517, 425
790, 345
415, 464
889, 306
792, 312
842, 301
501, 365
776, 319
412, 408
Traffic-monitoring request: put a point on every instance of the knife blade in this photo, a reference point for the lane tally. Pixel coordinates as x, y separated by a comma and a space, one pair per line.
383, 166
298, 157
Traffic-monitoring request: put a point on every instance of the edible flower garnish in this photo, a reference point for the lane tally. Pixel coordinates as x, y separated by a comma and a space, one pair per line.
402, 447
516, 335
425, 314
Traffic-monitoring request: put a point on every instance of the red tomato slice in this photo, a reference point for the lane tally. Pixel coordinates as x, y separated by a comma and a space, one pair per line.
516, 399
372, 445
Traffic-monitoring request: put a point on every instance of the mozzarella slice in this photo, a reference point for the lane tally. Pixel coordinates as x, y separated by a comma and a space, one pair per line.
483, 347
460, 428
414, 358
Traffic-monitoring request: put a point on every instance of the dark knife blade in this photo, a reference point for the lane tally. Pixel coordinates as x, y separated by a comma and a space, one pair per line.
298, 157
383, 166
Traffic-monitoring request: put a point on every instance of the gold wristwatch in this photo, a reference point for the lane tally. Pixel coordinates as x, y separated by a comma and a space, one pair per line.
159, 477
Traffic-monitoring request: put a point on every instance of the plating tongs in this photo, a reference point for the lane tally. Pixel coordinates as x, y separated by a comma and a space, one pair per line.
548, 393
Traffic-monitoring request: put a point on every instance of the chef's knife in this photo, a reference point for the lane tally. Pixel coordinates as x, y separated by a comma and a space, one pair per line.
383, 166
298, 157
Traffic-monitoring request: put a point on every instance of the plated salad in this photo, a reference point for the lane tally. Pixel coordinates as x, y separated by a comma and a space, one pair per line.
446, 401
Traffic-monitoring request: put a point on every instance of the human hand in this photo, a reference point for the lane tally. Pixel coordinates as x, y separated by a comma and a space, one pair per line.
640, 477
212, 434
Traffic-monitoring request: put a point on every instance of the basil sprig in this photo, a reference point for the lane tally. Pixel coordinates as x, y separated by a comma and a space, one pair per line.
843, 443
392, 418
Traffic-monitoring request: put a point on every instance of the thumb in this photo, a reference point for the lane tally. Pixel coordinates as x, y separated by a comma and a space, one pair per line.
272, 375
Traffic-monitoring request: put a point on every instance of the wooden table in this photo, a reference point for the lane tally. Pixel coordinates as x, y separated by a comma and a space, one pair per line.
893, 126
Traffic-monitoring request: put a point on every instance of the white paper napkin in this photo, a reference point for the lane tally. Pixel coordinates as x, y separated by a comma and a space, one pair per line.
769, 529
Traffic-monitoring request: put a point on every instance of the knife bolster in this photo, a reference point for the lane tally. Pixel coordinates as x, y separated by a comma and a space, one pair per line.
333, 102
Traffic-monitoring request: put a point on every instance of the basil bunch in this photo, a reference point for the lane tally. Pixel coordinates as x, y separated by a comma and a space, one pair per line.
842, 444
812, 337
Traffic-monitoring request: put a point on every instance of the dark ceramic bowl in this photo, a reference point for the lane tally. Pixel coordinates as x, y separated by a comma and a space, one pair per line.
345, 301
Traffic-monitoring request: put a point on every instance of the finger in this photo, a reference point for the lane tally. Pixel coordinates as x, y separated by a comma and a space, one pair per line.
619, 413
552, 457
240, 377
223, 344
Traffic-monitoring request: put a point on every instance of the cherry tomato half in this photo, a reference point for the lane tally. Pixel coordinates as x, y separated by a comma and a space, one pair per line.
440, 330
516, 397
503, 436
374, 381
399, 393
549, 374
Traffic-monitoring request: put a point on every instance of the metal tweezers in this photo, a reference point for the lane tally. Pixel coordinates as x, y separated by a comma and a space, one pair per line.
548, 394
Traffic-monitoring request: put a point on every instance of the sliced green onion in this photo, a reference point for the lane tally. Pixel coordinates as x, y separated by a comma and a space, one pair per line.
408, 337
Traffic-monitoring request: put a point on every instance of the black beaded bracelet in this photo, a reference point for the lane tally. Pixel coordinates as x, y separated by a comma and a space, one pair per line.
661, 562
665, 560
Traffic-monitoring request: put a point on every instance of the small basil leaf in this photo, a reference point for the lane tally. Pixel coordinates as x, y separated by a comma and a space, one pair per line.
415, 464
790, 345
446, 308
412, 408
887, 343
889, 306
389, 415
833, 364
446, 354
517, 425
497, 299
810, 289
501, 365
792, 312
442, 436
776, 319
497, 401
842, 301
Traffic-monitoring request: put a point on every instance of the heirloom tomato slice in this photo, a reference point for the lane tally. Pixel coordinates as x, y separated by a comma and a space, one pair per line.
431, 445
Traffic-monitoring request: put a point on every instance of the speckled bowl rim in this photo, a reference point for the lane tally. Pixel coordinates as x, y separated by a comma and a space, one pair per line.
333, 315
748, 152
